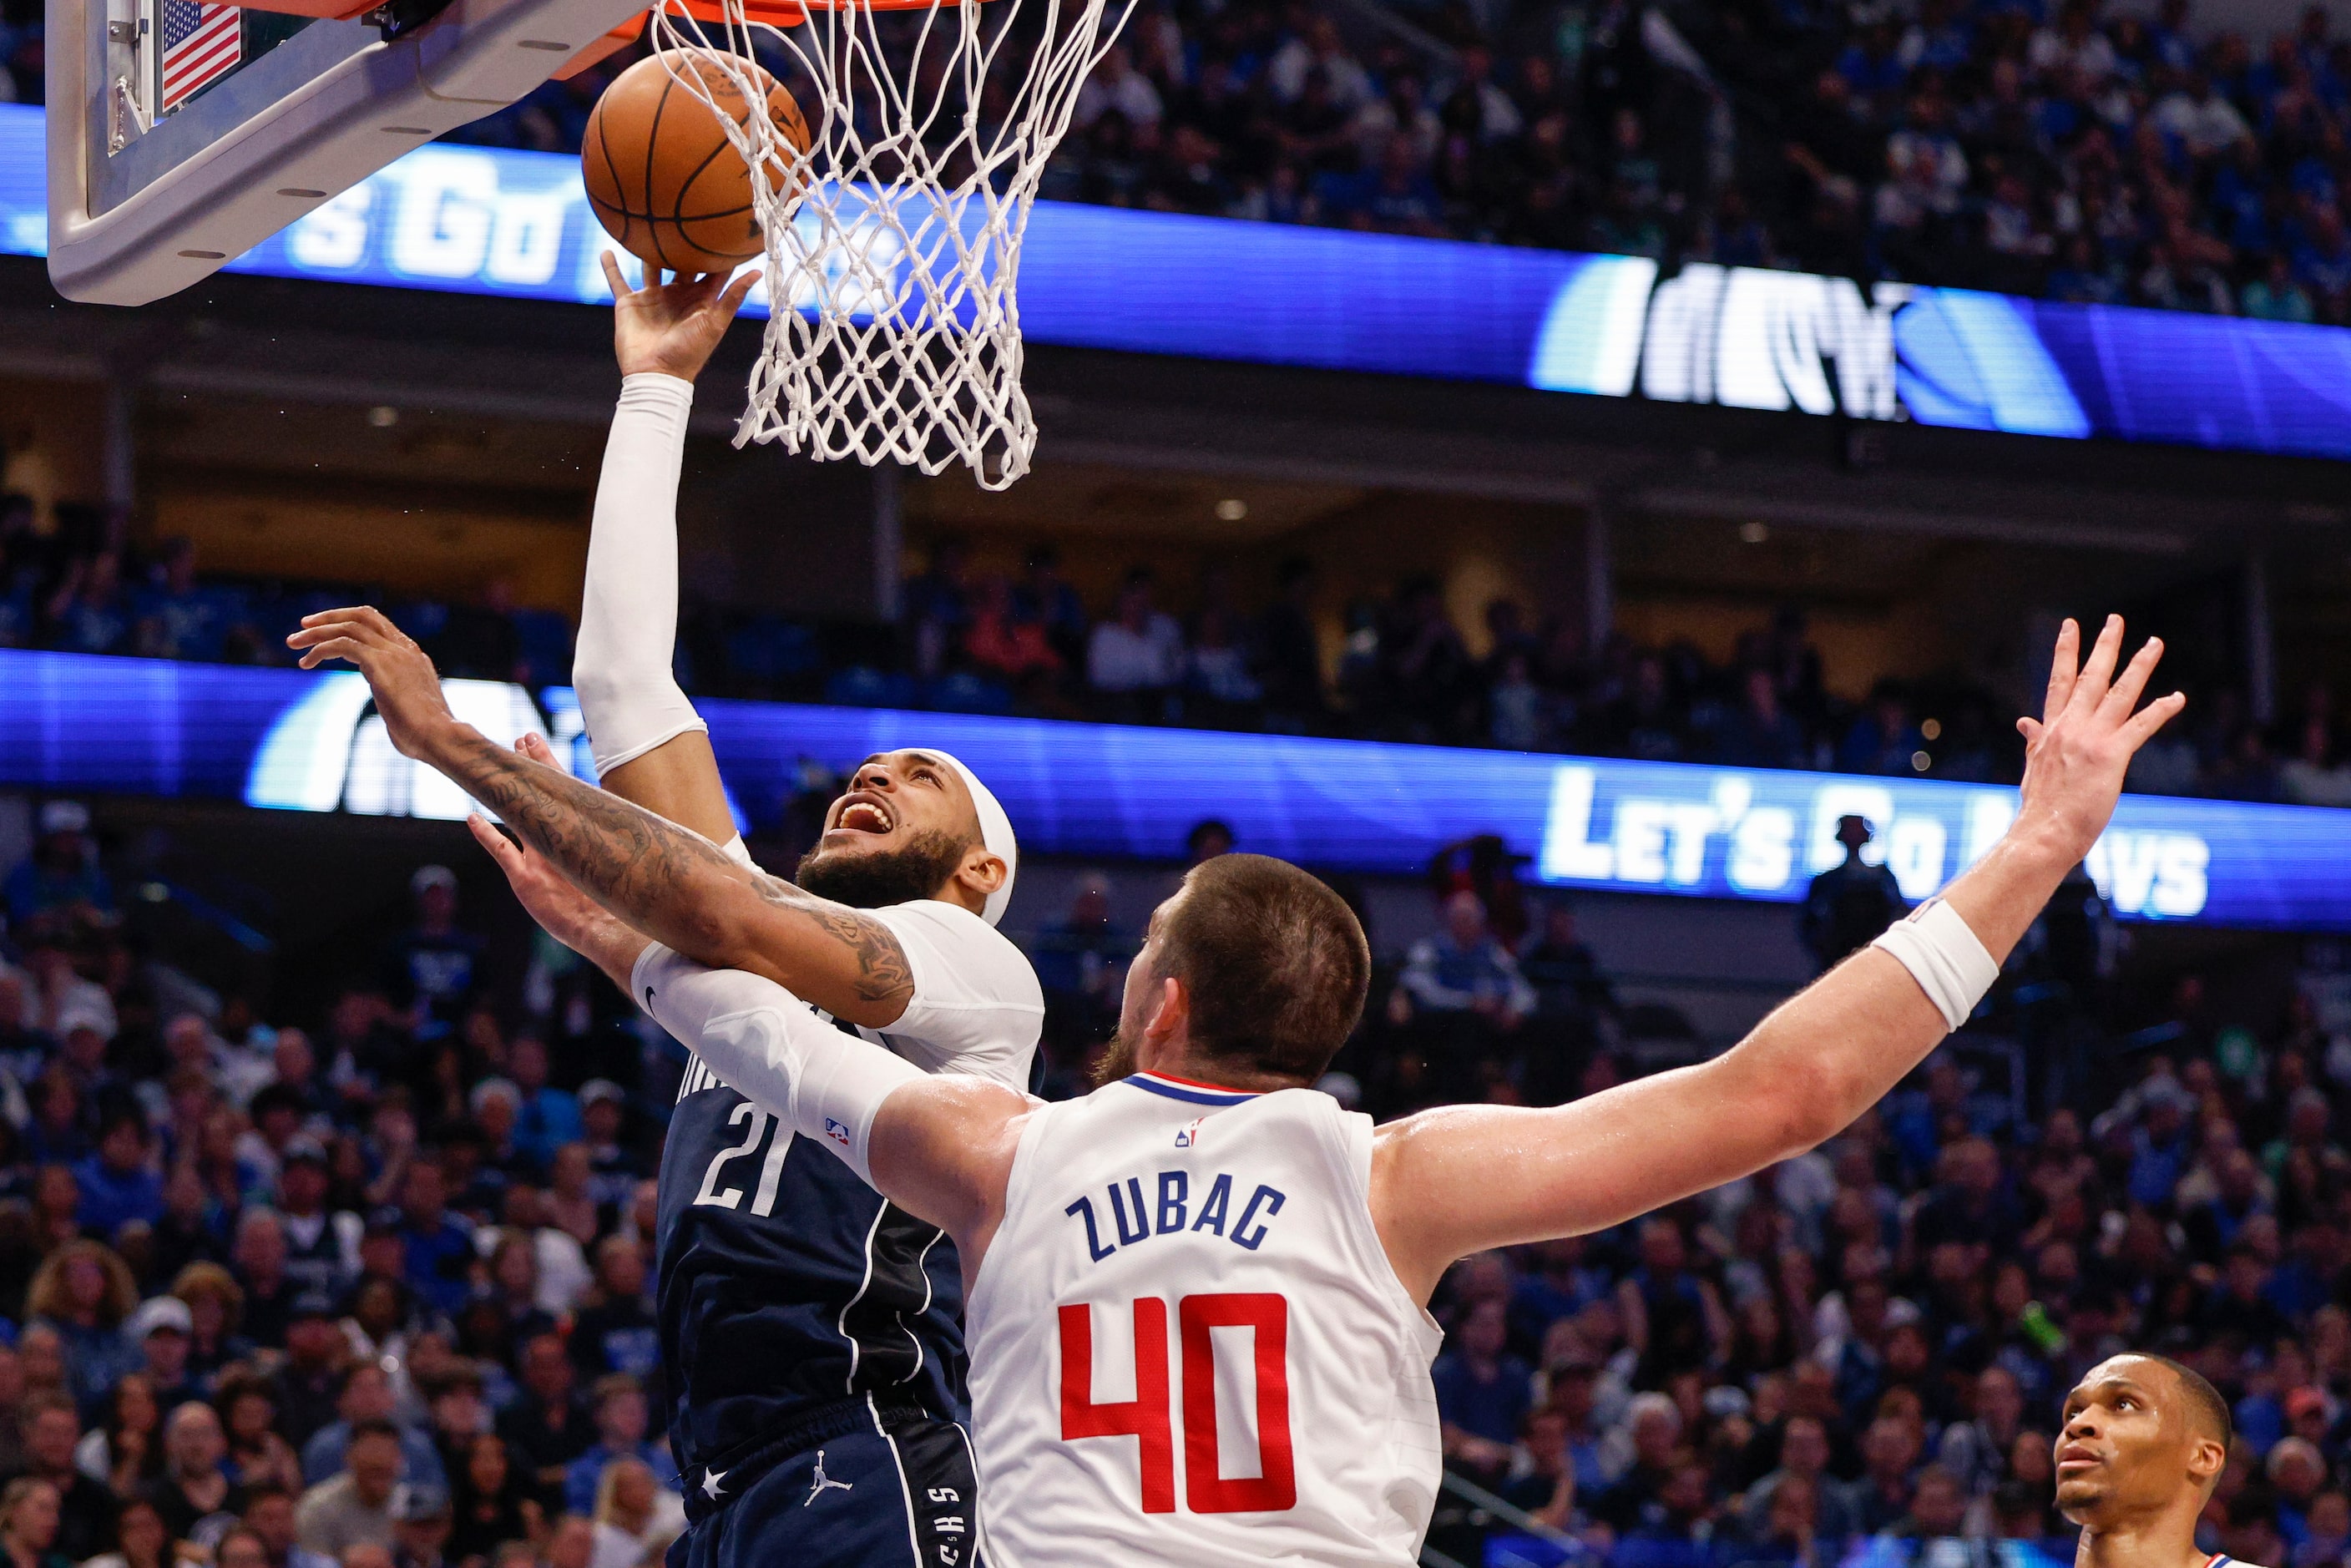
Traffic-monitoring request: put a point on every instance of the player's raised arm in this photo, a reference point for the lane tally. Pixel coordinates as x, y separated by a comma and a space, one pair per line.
668, 882
1462, 1179
938, 1146
651, 746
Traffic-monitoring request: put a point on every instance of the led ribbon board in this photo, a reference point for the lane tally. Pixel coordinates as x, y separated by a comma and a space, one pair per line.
483, 221
288, 741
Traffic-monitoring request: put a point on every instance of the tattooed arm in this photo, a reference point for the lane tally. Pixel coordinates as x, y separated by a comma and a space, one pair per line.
667, 882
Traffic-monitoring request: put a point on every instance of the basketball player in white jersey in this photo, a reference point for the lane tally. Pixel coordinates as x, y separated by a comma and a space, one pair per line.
1196, 1305
2142, 1447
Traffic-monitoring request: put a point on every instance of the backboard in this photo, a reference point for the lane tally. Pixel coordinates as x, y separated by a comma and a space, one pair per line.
182, 132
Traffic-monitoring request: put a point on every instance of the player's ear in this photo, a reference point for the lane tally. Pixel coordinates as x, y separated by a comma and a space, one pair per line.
2206, 1458
1171, 1013
981, 872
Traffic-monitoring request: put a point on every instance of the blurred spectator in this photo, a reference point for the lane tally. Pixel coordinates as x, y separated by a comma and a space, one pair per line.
29, 1524
1080, 960
1140, 648
118, 1184
548, 1425
1467, 970
546, 1118
1003, 640
620, 1424
61, 887
85, 1506
194, 1495
492, 1502
1850, 904
1481, 1392
366, 1401
354, 1507
430, 969
636, 1517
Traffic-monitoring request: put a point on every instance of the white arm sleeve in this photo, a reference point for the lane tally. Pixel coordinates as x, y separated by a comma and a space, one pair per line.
771, 1047
628, 616
977, 1006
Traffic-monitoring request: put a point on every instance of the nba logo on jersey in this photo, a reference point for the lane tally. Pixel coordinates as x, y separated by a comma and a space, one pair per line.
1189, 1137
837, 1131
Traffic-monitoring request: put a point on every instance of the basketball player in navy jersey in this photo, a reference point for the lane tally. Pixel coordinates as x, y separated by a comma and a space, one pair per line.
1253, 1263
2142, 1448
810, 1332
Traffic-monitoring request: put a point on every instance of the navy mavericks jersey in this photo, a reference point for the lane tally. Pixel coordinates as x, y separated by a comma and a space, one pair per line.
787, 1284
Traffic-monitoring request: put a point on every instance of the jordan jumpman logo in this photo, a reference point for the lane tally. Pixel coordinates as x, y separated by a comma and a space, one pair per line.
822, 1481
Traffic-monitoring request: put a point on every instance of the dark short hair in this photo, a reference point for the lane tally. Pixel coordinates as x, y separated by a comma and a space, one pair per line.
373, 1426
1274, 965
2207, 1410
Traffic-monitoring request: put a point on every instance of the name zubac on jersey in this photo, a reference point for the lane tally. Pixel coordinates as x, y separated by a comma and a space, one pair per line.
1164, 1207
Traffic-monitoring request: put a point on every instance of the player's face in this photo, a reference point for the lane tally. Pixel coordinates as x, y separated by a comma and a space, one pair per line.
896, 796
900, 833
2125, 1445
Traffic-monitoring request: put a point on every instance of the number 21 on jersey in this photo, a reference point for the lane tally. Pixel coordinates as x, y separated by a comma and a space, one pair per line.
1150, 1418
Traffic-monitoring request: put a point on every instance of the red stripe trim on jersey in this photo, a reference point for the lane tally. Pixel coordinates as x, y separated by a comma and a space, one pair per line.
1196, 1083
1185, 1089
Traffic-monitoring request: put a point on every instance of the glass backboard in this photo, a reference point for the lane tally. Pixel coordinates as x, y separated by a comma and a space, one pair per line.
183, 132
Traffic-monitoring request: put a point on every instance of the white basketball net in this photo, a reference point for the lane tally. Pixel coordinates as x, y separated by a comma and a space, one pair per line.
893, 248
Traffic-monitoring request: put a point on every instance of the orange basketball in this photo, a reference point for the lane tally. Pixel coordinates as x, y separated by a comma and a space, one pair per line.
663, 177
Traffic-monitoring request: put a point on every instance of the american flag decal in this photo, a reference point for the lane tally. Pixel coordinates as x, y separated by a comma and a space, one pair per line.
202, 43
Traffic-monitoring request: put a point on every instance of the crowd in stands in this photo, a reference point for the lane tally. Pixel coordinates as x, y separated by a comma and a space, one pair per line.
368, 1293
79, 586
369, 1287
988, 642
2038, 147
2034, 146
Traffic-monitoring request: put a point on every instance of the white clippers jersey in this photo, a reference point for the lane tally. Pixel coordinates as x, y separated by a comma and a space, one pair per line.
1188, 1347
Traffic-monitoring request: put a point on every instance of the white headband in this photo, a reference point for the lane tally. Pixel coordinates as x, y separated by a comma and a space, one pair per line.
995, 832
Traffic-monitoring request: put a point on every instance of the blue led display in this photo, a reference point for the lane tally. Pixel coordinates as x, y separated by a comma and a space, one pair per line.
480, 220
284, 739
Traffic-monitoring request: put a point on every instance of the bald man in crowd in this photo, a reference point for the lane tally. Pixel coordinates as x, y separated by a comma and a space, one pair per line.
2142, 1447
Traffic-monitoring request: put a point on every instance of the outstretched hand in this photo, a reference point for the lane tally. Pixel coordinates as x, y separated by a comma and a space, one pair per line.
407, 688
2077, 752
672, 327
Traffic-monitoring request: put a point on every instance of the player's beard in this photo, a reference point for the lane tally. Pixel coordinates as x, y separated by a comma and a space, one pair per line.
917, 870
1117, 1062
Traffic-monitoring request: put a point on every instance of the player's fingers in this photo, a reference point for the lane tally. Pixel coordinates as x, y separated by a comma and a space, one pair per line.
2064, 665
501, 848
535, 746
337, 648
614, 277
738, 291
380, 624
2098, 669
319, 631
2152, 718
2125, 694
2030, 729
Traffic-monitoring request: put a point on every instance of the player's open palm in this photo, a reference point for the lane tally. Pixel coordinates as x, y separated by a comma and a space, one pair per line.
2090, 726
672, 327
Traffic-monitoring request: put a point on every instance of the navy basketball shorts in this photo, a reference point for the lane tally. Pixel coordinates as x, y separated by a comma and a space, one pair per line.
899, 1490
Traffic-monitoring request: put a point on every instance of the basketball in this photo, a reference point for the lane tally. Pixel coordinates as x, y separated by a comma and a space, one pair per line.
661, 176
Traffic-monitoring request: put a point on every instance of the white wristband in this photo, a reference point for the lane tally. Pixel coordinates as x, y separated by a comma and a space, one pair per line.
1947, 959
